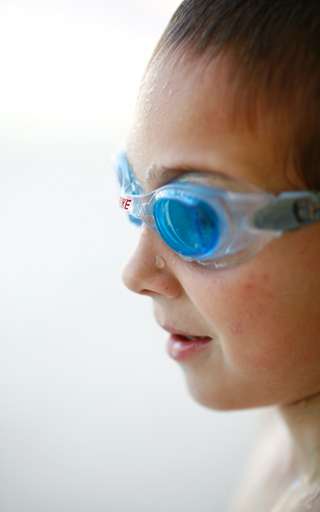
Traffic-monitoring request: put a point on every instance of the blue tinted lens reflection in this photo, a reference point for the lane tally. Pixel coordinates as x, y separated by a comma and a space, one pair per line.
136, 221
190, 227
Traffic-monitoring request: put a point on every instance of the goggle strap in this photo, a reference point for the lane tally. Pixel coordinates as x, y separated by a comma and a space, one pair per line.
290, 210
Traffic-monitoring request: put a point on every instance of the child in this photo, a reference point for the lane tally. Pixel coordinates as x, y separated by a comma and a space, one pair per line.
228, 123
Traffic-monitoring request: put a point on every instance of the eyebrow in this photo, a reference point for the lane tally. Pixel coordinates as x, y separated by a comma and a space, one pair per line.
157, 177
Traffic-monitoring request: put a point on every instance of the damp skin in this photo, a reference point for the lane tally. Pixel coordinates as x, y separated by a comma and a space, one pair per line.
257, 354
263, 314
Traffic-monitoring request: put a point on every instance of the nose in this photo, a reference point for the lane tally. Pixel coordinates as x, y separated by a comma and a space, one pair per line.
147, 271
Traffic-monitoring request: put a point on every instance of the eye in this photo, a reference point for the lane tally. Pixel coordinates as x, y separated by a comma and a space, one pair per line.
187, 224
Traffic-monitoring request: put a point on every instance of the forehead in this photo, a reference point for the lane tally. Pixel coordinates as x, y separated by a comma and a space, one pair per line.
184, 118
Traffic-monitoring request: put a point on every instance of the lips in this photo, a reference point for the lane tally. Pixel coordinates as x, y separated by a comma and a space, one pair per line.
184, 336
184, 346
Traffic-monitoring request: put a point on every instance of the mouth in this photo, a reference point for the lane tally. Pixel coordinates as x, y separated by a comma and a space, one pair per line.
190, 338
182, 346
184, 336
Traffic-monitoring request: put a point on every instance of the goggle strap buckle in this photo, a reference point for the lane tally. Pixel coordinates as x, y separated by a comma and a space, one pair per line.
290, 210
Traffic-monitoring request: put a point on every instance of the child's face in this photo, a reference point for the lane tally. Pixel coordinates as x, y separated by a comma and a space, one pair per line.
263, 315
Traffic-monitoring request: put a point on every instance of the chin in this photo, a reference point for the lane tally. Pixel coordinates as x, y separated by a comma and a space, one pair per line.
218, 401
216, 397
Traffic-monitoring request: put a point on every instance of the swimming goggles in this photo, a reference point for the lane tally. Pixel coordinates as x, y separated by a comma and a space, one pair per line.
211, 219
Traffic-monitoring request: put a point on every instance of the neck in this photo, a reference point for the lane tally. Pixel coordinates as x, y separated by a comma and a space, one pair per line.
303, 421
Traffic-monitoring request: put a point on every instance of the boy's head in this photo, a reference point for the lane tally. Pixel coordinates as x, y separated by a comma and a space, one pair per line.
272, 51
233, 88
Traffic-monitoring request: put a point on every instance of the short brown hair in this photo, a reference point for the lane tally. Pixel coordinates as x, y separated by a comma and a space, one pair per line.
274, 46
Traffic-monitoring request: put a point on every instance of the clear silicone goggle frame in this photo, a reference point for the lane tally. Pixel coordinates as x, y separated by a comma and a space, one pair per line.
211, 219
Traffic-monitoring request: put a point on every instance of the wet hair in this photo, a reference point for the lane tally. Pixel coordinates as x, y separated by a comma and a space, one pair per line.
274, 50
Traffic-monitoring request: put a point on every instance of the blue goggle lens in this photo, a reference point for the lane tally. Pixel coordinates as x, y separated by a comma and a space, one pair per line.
190, 227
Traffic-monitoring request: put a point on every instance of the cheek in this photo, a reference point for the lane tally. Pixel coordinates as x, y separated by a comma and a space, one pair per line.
248, 322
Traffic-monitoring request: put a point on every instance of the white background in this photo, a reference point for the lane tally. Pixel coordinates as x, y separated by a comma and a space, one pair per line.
95, 417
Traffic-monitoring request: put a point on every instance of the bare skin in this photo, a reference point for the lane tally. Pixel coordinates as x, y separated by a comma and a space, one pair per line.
263, 315
283, 474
